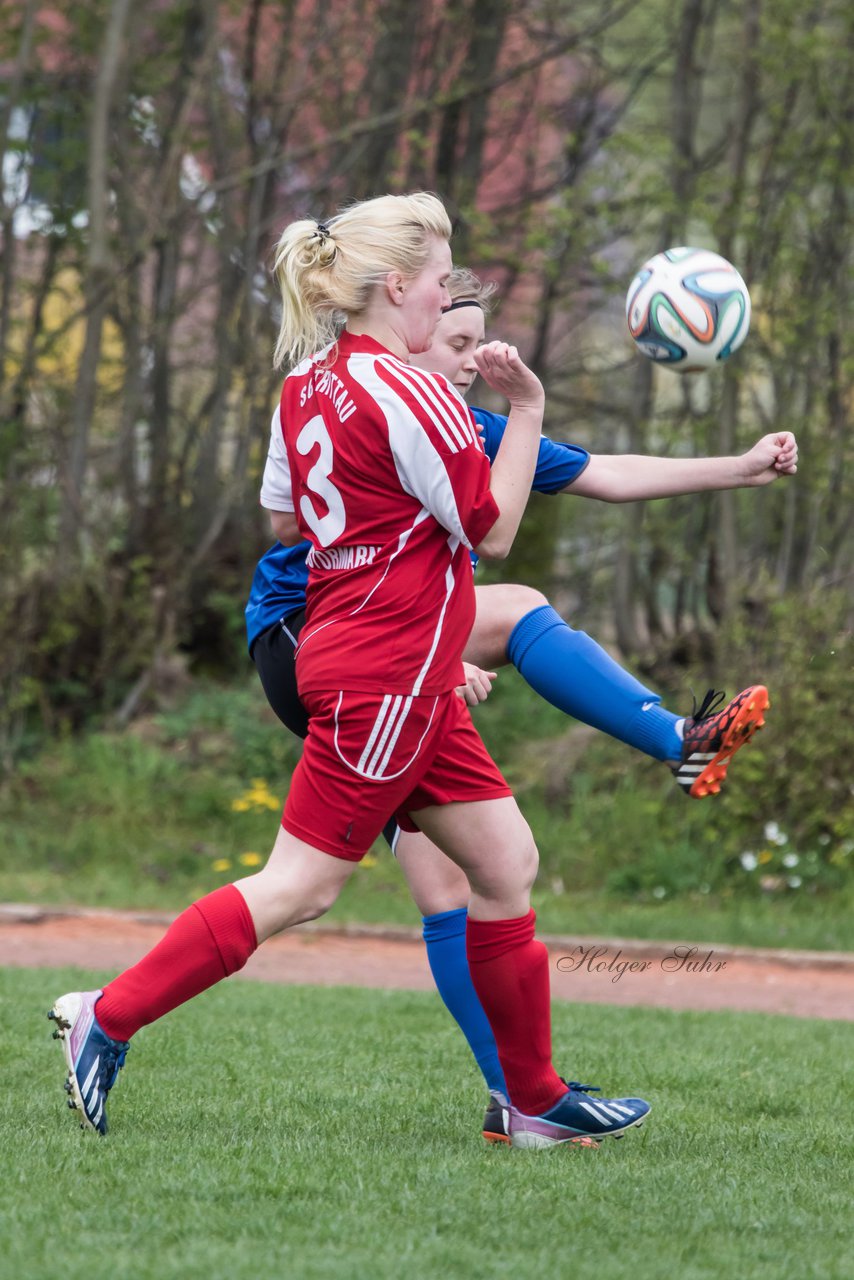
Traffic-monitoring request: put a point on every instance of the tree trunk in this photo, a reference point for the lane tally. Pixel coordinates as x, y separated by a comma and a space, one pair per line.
97, 279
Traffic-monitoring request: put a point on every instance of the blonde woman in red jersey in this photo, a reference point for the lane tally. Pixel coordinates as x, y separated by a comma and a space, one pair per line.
391, 486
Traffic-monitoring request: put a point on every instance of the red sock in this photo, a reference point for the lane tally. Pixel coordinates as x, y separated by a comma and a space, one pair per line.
510, 972
211, 939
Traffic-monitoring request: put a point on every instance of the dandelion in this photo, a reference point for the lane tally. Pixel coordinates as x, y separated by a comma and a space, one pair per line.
369, 861
221, 864
749, 860
250, 859
791, 860
257, 796
765, 857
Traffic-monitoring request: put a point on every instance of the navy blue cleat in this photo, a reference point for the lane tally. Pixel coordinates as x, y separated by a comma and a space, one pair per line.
577, 1119
92, 1058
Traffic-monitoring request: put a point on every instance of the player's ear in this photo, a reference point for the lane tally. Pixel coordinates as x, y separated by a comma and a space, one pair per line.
395, 287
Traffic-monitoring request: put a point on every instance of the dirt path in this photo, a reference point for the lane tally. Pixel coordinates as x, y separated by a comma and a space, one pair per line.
600, 971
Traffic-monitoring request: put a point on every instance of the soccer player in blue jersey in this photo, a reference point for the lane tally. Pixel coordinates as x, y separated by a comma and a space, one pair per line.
516, 624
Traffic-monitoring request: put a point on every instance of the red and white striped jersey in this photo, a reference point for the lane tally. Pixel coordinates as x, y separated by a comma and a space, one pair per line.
384, 468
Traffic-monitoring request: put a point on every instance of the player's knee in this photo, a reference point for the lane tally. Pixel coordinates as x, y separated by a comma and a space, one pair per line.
317, 902
499, 609
519, 600
289, 904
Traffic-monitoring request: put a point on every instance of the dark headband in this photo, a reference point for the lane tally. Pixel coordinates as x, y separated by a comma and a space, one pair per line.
463, 302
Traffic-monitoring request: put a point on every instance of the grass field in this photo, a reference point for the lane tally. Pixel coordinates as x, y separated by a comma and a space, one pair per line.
266, 1131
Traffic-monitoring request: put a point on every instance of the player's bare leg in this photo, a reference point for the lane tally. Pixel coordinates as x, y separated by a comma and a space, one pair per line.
435, 882
298, 883
499, 608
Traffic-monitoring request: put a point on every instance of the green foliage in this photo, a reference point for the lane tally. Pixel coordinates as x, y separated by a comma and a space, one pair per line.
807, 651
156, 810
335, 1133
72, 646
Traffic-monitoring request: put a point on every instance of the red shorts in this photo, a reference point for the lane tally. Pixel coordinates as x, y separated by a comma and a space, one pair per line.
369, 757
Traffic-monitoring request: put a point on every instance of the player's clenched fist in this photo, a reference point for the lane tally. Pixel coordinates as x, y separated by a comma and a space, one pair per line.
504, 370
478, 685
772, 456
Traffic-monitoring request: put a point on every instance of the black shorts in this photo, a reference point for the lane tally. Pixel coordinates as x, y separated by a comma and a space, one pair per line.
274, 655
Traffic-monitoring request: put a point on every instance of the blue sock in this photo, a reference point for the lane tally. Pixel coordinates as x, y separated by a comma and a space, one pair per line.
575, 674
445, 938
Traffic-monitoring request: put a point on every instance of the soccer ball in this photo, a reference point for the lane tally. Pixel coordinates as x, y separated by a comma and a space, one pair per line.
688, 309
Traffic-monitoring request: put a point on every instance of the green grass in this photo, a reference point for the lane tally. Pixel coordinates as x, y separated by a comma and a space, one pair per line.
265, 1131
146, 819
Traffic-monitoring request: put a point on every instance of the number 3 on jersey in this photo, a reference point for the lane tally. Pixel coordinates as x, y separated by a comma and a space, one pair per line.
329, 527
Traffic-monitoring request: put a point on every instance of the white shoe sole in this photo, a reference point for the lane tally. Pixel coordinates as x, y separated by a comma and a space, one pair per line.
65, 1013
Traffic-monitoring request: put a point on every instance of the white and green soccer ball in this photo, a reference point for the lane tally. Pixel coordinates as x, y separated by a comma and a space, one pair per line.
688, 309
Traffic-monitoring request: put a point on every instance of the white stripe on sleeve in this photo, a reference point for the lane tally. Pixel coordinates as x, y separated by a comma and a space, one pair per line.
443, 412
420, 467
276, 492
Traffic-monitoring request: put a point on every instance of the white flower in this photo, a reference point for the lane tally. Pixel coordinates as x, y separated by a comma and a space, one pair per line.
795, 882
749, 860
659, 891
791, 860
774, 835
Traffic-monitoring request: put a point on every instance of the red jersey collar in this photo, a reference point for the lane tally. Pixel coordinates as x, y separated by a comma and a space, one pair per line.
362, 344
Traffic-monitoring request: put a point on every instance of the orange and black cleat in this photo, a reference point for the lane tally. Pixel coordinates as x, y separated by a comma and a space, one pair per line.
713, 736
495, 1120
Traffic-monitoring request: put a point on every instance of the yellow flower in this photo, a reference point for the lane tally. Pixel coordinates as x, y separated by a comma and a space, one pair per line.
368, 861
250, 859
221, 864
257, 796
765, 856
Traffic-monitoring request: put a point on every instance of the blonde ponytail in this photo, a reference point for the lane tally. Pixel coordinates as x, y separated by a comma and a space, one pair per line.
326, 271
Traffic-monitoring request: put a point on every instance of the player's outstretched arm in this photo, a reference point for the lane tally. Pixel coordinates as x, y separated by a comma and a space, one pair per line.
630, 477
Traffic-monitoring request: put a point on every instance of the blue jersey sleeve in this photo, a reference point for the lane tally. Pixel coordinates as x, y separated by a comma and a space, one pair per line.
558, 464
